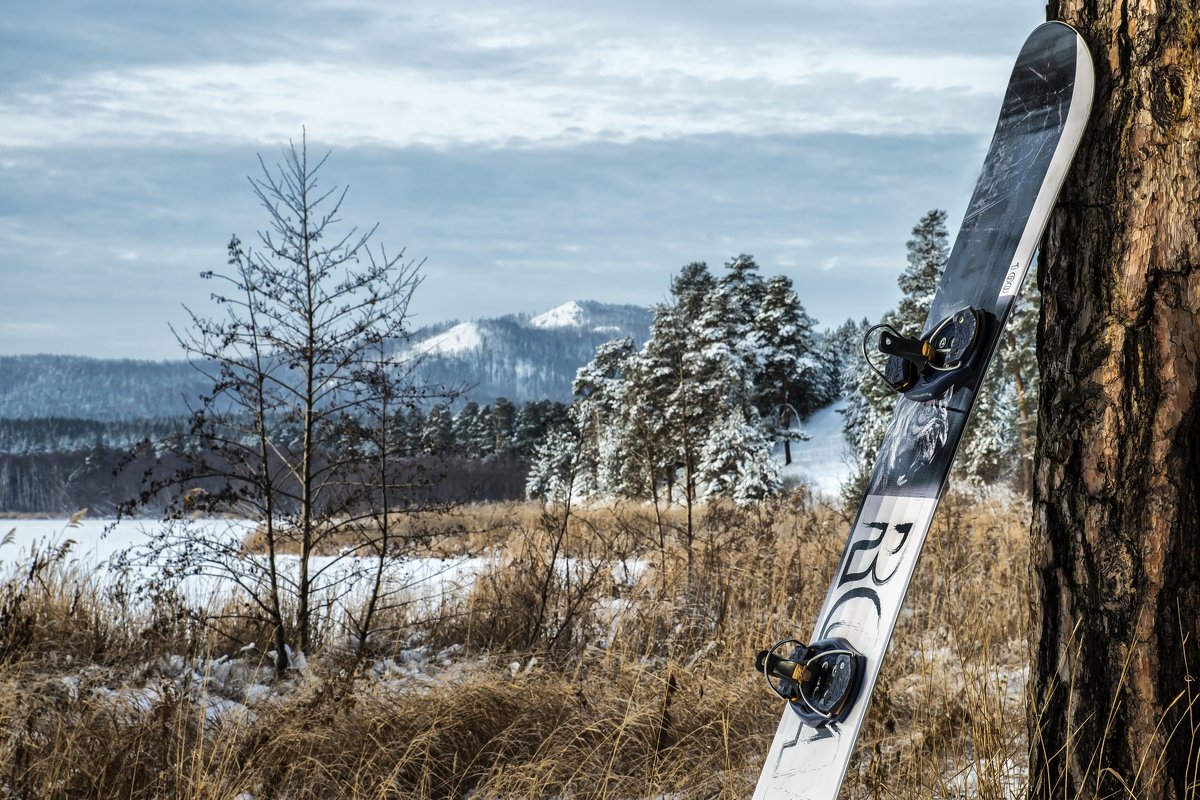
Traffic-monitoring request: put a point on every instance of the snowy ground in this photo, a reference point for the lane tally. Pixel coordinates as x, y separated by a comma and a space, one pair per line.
822, 462
96, 541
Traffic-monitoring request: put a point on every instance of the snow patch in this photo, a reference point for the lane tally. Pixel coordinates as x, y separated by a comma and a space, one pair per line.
823, 462
462, 338
568, 315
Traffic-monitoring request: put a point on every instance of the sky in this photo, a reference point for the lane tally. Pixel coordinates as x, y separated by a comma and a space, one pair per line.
531, 152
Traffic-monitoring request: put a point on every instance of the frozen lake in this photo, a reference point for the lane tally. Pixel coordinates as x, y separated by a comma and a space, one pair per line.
96, 541
95, 544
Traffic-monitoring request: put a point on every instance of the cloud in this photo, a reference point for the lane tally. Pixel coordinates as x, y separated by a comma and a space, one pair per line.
533, 151
402, 107
38, 330
487, 74
503, 230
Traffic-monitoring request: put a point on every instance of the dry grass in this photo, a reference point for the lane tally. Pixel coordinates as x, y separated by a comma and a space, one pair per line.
552, 677
470, 529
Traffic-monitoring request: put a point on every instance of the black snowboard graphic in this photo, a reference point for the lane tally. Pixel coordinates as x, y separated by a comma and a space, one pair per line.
983, 270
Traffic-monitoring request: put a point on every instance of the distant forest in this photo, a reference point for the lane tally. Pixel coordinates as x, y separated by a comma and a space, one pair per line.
59, 465
512, 358
67, 423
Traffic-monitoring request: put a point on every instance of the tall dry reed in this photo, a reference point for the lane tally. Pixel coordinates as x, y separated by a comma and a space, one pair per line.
587, 660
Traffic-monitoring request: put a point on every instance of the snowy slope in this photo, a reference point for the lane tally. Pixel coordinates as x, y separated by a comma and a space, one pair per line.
459, 339
568, 315
524, 356
822, 462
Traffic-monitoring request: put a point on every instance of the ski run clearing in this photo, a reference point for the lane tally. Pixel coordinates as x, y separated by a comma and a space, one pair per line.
462, 338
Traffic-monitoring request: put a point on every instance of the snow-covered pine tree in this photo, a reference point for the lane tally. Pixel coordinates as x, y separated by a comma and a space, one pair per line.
480, 441
642, 453
1018, 361
788, 368
730, 362
744, 286
997, 445
836, 352
928, 250
411, 429
666, 410
870, 402
673, 369
464, 423
753, 356
534, 421
695, 412
552, 469
503, 419
599, 391
691, 288
437, 435
735, 460
723, 359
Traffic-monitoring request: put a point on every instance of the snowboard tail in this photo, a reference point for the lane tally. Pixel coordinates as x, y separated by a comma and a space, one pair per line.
1041, 121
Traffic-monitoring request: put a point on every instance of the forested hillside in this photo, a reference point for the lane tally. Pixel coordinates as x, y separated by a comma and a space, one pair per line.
522, 357
96, 389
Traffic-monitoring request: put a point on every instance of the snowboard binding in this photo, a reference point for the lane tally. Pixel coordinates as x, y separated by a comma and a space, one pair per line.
925, 367
820, 681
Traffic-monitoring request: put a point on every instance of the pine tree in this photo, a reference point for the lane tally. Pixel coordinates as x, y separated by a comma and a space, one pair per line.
464, 424
1018, 362
480, 440
835, 353
553, 468
997, 445
695, 412
534, 422
691, 288
599, 391
503, 426
870, 402
783, 338
735, 460
928, 250
671, 403
411, 430
437, 435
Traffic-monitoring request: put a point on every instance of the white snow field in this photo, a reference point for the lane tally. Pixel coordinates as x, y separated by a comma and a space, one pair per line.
568, 315
823, 462
462, 338
96, 541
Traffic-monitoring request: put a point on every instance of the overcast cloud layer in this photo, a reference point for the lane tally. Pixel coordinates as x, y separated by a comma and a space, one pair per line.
532, 152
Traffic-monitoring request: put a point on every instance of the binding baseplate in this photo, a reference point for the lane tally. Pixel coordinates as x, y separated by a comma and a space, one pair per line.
820, 681
925, 367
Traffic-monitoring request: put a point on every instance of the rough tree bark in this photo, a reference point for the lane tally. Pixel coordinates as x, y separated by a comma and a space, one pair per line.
1116, 549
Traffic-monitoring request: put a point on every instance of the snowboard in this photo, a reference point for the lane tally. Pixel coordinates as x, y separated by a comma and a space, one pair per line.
827, 685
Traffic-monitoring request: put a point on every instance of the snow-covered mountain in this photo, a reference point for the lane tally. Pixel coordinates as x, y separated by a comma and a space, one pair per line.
524, 356
519, 356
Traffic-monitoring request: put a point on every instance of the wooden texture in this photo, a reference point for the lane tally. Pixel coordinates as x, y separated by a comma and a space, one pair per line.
1116, 531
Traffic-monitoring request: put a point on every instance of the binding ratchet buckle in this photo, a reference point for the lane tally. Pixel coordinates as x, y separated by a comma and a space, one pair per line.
820, 680
924, 367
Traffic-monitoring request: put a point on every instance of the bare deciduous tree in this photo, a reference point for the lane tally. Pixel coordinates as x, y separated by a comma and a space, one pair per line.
299, 432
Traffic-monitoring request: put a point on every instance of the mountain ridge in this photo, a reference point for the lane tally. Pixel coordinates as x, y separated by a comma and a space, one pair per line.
520, 356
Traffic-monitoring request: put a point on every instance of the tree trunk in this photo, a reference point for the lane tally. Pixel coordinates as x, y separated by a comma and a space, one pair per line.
1026, 463
1116, 555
